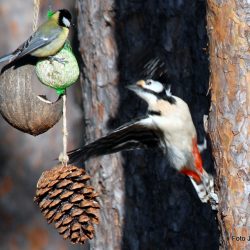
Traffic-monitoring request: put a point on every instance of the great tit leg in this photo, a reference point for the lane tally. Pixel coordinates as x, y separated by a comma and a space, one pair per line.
60, 60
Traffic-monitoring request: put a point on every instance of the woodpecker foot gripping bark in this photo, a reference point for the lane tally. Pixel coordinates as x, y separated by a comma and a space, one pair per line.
214, 201
202, 146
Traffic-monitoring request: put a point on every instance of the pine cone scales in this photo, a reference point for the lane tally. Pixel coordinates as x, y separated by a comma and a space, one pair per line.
65, 199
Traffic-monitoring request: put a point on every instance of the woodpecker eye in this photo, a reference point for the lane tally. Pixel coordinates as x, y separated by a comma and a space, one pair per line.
148, 82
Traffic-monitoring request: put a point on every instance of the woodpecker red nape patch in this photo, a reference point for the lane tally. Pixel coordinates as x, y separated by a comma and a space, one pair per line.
197, 157
192, 174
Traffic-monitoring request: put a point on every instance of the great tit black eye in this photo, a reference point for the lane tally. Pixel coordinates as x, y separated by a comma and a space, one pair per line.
148, 82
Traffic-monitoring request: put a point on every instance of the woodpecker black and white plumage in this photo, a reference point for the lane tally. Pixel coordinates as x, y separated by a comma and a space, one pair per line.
168, 126
47, 40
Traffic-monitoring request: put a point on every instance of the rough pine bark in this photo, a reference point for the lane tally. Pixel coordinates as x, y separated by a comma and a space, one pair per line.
228, 29
145, 204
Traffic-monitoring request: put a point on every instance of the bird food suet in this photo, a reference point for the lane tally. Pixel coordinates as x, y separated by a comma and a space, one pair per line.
59, 72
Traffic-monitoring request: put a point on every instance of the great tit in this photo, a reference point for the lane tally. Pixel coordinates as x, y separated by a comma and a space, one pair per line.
48, 39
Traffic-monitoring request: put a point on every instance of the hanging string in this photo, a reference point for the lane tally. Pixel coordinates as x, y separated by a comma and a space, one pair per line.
36, 14
63, 157
50, 5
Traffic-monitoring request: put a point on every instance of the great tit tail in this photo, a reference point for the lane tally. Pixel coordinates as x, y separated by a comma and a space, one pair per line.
8, 57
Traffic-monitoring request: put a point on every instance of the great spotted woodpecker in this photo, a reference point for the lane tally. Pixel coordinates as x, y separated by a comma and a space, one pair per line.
168, 126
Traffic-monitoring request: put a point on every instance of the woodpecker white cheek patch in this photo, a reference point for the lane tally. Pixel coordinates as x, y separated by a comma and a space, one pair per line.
155, 86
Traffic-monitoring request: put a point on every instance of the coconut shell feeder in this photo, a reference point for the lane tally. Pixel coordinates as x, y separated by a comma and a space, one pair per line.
21, 106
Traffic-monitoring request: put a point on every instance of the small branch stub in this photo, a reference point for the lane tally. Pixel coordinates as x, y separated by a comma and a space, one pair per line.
66, 199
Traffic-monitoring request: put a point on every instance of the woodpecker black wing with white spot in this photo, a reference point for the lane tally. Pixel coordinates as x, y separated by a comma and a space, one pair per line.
133, 135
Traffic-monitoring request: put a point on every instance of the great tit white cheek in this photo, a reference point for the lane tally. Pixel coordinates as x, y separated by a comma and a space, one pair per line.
66, 22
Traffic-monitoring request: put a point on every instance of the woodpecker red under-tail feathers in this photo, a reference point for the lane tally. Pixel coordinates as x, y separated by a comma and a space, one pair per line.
168, 125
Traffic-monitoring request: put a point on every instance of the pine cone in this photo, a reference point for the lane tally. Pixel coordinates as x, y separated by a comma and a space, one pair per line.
65, 199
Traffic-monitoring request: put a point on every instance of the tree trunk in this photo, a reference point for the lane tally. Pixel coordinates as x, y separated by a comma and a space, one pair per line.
228, 28
144, 203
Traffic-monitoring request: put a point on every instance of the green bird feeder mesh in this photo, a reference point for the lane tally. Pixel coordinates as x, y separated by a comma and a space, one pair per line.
60, 71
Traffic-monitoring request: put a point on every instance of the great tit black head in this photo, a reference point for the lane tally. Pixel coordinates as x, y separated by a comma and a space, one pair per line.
64, 18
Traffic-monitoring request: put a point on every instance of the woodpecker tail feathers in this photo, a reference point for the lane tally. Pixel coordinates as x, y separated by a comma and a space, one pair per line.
205, 189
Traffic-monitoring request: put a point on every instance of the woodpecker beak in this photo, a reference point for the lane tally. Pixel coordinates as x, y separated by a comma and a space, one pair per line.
141, 84
137, 87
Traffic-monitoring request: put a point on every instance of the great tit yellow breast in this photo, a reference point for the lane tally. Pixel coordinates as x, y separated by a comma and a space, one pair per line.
54, 46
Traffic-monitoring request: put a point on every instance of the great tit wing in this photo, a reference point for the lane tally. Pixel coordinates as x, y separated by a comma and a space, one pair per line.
39, 39
134, 135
